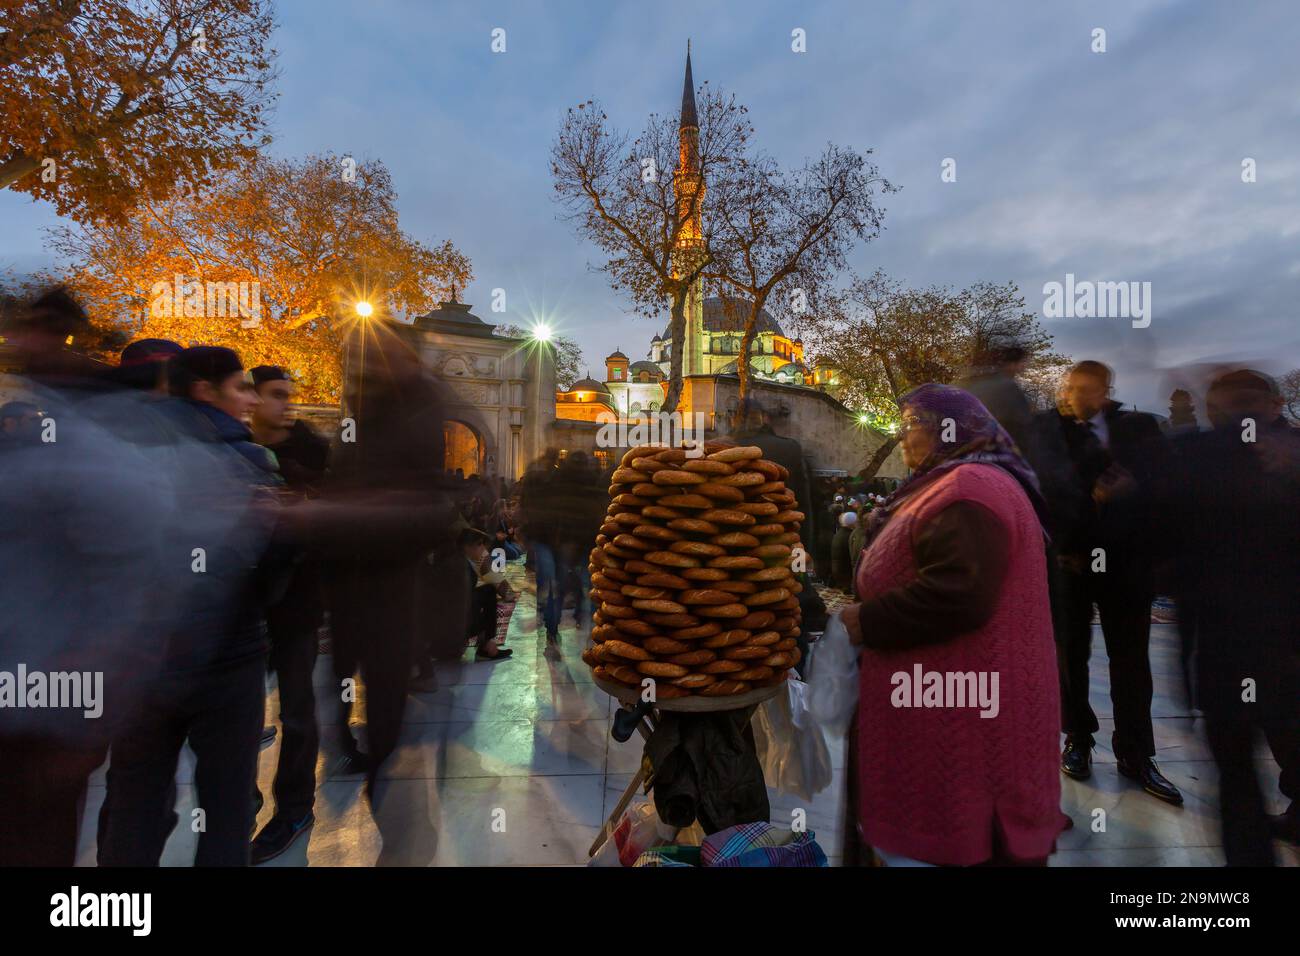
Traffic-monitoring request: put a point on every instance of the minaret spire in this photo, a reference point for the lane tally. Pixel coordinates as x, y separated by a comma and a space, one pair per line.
688, 190
689, 118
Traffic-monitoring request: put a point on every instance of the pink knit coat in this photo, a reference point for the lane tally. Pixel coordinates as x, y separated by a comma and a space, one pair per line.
937, 784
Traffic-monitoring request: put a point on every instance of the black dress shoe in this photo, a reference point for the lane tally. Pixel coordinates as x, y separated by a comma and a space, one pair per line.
1076, 758
1145, 772
1286, 826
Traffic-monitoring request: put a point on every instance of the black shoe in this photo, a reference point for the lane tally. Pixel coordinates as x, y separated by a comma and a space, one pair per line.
503, 653
278, 835
1076, 758
268, 735
1145, 772
352, 764
1286, 826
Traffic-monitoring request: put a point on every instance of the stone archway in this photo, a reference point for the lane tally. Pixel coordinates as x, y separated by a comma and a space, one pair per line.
463, 448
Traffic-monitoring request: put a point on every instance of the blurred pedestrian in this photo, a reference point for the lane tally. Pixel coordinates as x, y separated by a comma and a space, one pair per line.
1233, 533
211, 690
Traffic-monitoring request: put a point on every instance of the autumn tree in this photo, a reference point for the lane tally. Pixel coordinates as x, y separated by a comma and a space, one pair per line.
1289, 385
621, 196
785, 234
884, 339
568, 353
299, 240
106, 103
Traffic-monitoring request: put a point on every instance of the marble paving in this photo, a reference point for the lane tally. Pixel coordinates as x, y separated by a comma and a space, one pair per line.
511, 764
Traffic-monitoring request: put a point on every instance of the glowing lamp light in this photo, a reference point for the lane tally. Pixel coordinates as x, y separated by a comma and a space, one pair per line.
864, 419
365, 309
542, 332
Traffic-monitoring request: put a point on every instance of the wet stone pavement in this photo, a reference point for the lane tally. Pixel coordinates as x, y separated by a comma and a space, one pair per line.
526, 743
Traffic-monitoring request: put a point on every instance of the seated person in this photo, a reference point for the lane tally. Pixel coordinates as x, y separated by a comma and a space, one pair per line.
489, 587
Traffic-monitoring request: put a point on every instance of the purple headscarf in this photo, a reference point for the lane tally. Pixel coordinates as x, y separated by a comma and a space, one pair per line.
977, 439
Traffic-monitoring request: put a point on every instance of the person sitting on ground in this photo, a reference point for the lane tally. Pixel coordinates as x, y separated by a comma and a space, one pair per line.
489, 587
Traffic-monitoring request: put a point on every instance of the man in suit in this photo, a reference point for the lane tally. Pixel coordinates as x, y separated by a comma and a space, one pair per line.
1233, 532
1106, 558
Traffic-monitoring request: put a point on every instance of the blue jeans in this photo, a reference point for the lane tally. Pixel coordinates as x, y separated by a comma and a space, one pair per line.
549, 567
582, 608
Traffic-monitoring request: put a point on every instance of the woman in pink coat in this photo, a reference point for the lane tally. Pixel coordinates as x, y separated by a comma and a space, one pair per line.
953, 752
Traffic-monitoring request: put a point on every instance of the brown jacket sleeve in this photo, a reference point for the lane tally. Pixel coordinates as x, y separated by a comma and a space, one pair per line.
962, 556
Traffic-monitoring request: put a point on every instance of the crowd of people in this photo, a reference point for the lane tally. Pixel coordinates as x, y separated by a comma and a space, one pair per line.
170, 525
990, 558
171, 528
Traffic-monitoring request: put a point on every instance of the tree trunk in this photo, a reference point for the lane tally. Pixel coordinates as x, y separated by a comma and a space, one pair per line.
678, 336
746, 343
878, 457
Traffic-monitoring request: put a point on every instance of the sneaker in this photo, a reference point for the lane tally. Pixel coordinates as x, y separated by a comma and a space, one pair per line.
278, 835
268, 735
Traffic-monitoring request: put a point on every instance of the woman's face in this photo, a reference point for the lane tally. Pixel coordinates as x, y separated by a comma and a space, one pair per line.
918, 439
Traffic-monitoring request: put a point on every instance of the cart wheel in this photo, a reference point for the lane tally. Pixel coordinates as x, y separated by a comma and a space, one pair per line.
626, 721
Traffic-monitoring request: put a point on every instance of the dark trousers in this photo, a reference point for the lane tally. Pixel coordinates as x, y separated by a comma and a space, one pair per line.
371, 618
1233, 727
293, 658
483, 615
42, 795
1247, 840
219, 710
1126, 626
344, 659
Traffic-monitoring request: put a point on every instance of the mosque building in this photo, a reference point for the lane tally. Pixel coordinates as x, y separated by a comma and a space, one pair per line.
714, 325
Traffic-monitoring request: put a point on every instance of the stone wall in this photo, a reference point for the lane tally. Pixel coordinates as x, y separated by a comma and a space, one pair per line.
830, 434
831, 437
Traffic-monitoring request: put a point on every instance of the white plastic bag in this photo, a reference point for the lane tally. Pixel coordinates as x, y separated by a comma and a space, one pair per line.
833, 678
790, 744
637, 830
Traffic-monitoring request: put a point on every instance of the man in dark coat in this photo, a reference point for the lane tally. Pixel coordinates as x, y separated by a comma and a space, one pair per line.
384, 514
1107, 559
293, 621
211, 690
753, 426
1233, 533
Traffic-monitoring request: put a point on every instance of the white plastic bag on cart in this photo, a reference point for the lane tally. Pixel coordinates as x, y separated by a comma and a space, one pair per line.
790, 745
833, 678
637, 830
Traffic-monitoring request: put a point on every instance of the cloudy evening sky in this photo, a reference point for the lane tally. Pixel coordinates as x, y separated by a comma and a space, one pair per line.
1123, 166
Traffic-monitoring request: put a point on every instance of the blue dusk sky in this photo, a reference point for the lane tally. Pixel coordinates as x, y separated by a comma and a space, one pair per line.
1117, 166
